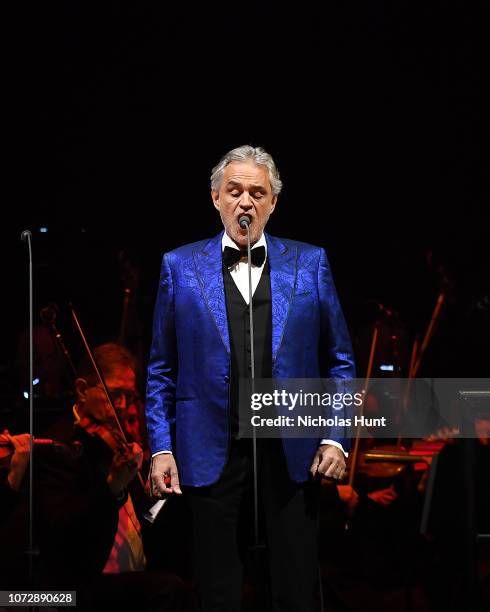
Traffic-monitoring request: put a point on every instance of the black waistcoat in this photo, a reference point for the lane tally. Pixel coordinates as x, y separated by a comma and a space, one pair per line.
239, 330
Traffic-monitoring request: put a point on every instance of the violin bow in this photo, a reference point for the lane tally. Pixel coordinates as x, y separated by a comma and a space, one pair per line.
102, 381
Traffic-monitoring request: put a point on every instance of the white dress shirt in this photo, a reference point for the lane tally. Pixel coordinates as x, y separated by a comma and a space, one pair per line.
239, 273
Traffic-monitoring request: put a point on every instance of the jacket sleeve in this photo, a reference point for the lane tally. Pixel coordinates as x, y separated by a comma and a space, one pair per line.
336, 354
162, 366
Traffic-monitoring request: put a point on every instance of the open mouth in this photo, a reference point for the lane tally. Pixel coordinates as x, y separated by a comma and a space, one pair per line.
241, 217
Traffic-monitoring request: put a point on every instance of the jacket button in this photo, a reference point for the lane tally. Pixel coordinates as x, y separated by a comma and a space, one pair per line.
227, 379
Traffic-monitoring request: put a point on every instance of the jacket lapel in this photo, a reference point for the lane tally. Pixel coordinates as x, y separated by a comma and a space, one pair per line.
208, 262
283, 264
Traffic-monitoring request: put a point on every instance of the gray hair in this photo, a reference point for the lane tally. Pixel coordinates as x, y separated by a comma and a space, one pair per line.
242, 154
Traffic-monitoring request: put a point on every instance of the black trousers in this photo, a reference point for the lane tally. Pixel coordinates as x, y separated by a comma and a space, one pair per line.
222, 517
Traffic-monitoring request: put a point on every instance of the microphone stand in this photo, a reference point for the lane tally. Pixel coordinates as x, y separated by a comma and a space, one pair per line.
26, 236
245, 224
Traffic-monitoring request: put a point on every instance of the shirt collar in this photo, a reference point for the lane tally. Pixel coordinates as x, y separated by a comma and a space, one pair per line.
227, 241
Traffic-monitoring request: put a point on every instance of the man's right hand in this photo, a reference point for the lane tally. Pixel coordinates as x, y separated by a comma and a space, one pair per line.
164, 476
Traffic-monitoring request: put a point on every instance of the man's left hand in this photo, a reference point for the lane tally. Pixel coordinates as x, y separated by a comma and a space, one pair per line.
329, 462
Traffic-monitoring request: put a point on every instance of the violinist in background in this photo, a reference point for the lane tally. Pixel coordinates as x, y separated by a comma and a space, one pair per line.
121, 569
86, 527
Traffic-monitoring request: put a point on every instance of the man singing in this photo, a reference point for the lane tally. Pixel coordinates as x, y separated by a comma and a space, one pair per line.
200, 350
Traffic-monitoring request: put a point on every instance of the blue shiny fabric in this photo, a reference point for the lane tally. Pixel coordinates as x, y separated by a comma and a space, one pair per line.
189, 366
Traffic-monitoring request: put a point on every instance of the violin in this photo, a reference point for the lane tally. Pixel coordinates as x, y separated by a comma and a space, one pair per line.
110, 435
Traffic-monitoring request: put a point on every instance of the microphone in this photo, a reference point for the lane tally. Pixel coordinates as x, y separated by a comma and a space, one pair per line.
244, 221
26, 235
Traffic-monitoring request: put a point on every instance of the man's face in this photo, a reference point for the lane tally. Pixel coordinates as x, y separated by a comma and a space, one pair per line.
121, 384
245, 190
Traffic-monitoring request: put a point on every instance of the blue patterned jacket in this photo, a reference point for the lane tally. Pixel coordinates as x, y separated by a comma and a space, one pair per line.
189, 366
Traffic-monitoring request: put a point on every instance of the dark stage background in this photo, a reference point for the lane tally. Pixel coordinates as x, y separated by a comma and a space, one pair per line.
373, 110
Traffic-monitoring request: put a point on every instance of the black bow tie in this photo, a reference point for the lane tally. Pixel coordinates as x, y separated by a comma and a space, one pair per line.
231, 256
